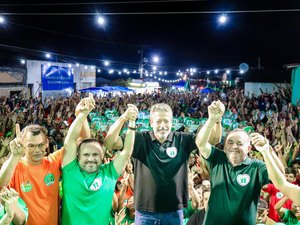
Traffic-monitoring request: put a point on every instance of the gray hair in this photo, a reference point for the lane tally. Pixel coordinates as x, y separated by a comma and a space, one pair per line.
161, 107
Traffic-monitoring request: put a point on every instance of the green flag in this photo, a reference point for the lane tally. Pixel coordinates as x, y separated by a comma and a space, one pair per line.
187, 85
295, 82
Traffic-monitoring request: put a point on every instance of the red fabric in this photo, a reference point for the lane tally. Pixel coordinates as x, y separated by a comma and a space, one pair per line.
70, 121
275, 196
297, 181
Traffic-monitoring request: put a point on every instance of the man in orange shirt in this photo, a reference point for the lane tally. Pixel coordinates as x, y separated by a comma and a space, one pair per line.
34, 176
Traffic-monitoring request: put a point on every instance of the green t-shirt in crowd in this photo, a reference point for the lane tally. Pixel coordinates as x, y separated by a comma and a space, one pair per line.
188, 212
289, 218
87, 198
21, 205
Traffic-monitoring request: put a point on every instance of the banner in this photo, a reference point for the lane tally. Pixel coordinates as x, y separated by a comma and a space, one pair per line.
57, 81
191, 124
177, 123
111, 114
144, 114
296, 86
229, 121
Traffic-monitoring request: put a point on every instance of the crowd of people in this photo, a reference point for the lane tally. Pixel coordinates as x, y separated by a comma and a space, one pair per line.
161, 176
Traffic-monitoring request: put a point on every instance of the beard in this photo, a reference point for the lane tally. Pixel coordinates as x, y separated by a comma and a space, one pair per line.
90, 167
163, 133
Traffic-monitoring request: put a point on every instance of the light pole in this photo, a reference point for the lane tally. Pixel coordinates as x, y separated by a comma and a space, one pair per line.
141, 63
144, 61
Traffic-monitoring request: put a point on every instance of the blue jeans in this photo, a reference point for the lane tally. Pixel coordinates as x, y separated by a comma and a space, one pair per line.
152, 218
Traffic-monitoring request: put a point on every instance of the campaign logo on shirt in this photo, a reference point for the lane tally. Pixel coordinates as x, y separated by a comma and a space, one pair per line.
26, 187
279, 195
49, 179
171, 152
243, 179
95, 186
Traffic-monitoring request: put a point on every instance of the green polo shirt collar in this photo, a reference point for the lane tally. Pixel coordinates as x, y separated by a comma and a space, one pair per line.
246, 162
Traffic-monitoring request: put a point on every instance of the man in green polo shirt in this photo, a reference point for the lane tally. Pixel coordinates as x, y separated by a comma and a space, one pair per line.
88, 185
236, 180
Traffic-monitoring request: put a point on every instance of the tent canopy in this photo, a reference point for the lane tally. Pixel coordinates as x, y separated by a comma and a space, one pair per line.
207, 90
107, 89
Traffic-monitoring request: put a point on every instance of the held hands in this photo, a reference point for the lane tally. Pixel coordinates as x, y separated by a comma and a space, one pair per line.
131, 114
216, 111
16, 145
9, 198
260, 143
86, 105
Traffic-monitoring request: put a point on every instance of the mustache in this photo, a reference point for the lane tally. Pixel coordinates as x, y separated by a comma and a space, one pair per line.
230, 150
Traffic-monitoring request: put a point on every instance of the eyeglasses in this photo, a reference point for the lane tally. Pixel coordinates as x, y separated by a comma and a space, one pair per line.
40, 146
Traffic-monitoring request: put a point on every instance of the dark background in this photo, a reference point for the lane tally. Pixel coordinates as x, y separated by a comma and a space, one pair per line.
183, 39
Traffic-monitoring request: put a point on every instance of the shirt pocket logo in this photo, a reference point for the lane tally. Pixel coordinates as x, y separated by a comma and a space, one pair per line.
171, 152
95, 186
49, 179
26, 186
243, 179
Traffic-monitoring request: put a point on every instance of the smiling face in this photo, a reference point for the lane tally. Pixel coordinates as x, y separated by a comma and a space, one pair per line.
237, 146
90, 157
290, 177
161, 121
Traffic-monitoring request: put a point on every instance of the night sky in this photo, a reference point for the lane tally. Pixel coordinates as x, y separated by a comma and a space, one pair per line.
182, 40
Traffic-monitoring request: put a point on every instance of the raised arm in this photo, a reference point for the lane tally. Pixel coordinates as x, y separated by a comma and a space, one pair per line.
122, 158
123, 190
85, 131
112, 139
85, 106
17, 150
216, 134
290, 190
194, 194
215, 112
279, 206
